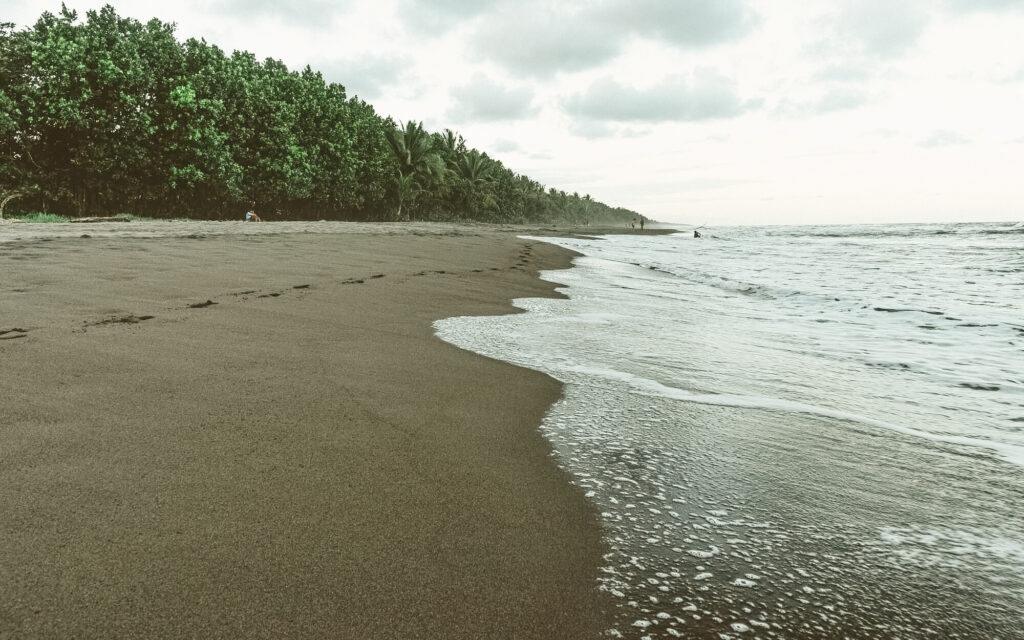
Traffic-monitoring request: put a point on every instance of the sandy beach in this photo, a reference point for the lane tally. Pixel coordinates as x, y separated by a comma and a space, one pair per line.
229, 430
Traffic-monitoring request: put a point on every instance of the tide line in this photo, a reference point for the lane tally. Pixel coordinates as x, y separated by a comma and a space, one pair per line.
1010, 452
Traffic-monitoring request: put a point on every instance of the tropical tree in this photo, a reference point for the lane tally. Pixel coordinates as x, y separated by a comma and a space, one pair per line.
474, 166
474, 191
414, 151
16, 171
114, 115
406, 188
418, 162
450, 146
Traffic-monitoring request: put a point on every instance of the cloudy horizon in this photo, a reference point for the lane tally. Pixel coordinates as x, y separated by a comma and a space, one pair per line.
691, 111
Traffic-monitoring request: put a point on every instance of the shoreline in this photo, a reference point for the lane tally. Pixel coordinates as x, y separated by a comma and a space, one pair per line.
18, 230
261, 435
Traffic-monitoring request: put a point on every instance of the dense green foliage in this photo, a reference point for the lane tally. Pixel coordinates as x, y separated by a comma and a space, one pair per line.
112, 115
42, 217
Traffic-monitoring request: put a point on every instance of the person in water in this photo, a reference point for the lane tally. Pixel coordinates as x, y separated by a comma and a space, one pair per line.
696, 234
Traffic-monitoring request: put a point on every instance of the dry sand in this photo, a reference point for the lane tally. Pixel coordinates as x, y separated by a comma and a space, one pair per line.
229, 430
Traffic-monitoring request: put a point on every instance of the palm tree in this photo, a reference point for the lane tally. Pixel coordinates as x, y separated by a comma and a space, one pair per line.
474, 166
451, 142
406, 189
587, 202
418, 164
477, 172
414, 149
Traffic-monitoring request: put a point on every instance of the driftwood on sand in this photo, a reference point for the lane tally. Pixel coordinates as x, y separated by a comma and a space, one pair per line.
10, 196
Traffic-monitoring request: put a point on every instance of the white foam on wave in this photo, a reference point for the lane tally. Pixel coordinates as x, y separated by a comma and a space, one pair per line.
1009, 451
952, 546
610, 441
603, 318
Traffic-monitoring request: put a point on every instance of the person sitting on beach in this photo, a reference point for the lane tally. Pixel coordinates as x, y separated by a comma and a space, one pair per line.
250, 215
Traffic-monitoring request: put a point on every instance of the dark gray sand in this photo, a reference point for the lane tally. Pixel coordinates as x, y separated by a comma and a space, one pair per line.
260, 436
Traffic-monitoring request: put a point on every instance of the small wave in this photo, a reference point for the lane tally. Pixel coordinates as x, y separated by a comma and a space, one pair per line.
898, 366
864, 234
883, 231
892, 310
1010, 452
980, 386
733, 285
933, 546
1007, 230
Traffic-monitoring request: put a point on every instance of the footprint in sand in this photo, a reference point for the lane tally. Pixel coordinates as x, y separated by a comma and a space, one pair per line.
376, 275
131, 318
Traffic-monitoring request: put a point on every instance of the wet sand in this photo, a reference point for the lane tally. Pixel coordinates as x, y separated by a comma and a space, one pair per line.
239, 431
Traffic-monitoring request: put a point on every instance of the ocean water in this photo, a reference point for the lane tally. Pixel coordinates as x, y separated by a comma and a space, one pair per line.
792, 432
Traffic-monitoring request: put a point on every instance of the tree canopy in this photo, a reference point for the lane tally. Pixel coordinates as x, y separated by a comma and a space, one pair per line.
109, 115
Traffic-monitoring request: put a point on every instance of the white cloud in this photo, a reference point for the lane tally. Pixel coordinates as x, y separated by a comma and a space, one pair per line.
843, 71
873, 29
687, 23
541, 39
1015, 77
440, 16
604, 96
971, 6
944, 138
365, 76
483, 100
706, 96
504, 145
542, 43
841, 100
591, 129
312, 14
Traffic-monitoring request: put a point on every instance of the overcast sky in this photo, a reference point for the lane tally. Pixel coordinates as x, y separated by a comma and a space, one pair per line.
701, 111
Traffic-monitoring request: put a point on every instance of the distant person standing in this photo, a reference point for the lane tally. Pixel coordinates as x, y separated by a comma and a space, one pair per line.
641, 223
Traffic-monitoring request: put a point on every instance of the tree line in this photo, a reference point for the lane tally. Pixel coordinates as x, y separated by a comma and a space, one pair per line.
109, 115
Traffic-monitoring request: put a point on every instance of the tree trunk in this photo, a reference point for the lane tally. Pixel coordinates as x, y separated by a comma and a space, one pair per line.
3, 203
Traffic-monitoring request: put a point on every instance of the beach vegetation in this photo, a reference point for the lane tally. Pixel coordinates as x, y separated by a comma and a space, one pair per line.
103, 113
38, 216
405, 188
